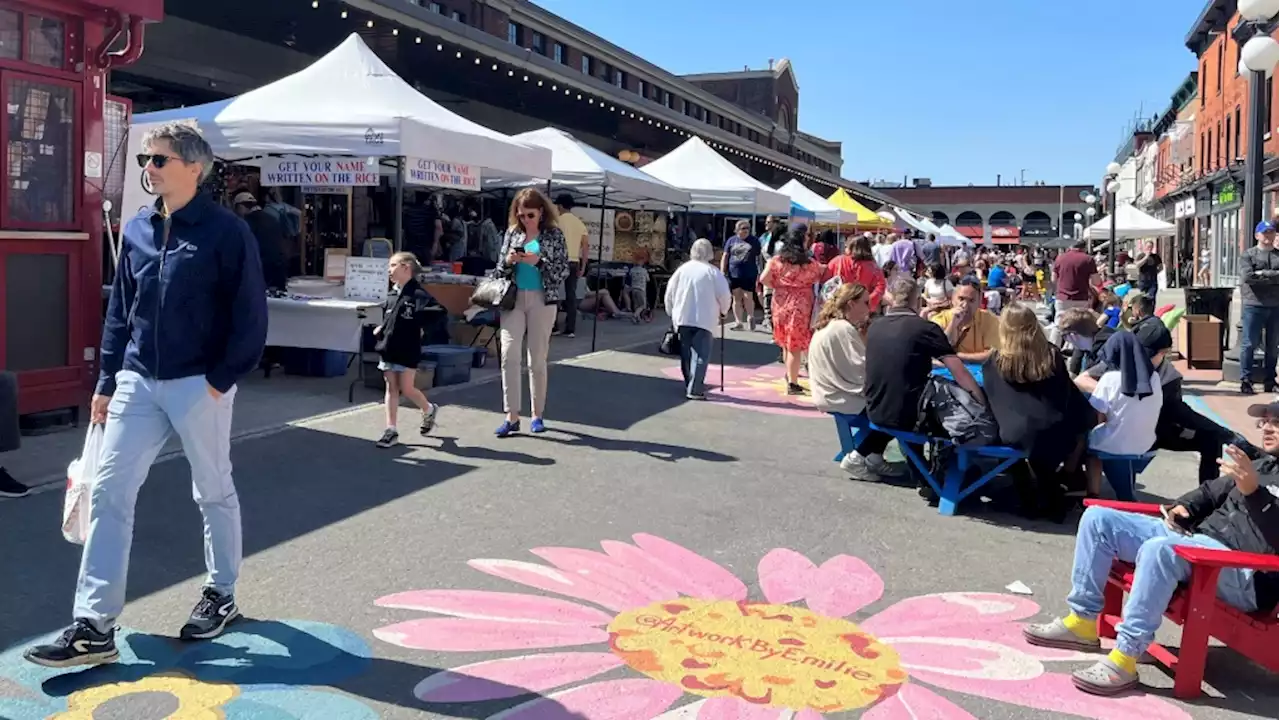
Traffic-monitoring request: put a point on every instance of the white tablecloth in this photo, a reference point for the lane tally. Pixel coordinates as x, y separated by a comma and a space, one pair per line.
322, 324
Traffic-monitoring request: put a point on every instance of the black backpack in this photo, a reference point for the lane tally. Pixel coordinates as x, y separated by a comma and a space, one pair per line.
948, 410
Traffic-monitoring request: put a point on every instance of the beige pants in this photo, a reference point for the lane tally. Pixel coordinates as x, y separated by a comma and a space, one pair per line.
528, 324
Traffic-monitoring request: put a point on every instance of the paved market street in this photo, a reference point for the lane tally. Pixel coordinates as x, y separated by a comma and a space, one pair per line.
719, 498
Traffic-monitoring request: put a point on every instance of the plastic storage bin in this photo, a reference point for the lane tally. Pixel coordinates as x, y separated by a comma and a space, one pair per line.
314, 363
453, 363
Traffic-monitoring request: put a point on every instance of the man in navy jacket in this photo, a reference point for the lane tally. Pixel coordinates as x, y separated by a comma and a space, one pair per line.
186, 319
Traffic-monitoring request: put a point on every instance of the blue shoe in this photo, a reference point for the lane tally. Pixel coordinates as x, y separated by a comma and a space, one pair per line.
507, 427
536, 426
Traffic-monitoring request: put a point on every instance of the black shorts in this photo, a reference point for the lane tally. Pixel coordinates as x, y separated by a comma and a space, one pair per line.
747, 284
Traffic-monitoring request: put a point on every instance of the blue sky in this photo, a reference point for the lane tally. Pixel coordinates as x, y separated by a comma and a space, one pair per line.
953, 90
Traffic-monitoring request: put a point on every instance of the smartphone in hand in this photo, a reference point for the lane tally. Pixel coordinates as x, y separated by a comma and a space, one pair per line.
1176, 522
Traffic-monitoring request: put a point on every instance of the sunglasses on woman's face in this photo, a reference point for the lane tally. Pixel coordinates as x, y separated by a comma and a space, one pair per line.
529, 214
158, 160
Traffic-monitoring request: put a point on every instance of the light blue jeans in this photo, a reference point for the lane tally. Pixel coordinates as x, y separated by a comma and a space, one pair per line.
142, 414
1107, 535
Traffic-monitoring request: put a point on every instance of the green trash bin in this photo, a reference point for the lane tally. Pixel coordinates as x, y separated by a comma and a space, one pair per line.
1215, 301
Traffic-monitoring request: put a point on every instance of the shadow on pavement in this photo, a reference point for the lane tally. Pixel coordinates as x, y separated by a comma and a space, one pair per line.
290, 483
743, 353
657, 451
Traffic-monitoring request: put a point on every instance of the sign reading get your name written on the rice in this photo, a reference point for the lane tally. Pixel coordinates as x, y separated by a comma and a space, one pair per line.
320, 171
438, 173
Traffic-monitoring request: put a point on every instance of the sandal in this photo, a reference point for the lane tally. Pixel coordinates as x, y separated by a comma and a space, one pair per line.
1104, 678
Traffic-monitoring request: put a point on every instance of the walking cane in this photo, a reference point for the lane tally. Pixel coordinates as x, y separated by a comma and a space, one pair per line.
722, 320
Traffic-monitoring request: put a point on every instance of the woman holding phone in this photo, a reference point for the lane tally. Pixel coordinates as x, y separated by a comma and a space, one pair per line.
535, 257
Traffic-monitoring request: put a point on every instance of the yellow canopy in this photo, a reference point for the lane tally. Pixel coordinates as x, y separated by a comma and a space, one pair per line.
866, 218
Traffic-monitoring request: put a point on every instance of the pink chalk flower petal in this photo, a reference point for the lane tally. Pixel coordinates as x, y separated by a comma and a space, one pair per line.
634, 699
605, 572
785, 576
485, 605
977, 659
645, 567
915, 702
465, 635
842, 586
702, 577
514, 676
921, 615
808, 714
731, 708
1008, 634
1054, 692
553, 580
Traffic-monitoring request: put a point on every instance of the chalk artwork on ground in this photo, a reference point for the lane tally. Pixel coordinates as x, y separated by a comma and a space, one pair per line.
762, 389
256, 670
691, 645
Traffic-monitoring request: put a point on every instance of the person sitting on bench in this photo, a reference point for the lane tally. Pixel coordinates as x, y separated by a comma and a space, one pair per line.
972, 331
1236, 511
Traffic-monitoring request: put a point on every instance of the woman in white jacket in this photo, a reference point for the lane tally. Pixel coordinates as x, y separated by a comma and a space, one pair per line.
697, 297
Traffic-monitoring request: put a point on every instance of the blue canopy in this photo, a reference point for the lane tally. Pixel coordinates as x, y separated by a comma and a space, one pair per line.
799, 212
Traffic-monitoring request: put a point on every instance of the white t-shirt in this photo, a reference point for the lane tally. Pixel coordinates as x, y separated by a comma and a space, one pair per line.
938, 289
882, 253
1131, 423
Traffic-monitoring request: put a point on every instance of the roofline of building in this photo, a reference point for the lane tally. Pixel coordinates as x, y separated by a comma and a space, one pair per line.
1081, 186
1214, 16
1186, 92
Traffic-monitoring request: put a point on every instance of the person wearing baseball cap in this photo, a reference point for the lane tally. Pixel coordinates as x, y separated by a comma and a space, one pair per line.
270, 235
1235, 511
1260, 296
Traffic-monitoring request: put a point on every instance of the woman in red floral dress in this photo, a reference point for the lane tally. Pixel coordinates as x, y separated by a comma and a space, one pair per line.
793, 274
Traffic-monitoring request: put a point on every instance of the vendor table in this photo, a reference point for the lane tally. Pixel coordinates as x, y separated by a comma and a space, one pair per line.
452, 291
322, 324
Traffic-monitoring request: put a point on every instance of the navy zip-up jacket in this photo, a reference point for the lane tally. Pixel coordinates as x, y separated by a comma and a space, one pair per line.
197, 308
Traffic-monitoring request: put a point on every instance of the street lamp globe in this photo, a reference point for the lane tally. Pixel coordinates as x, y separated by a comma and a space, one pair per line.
1255, 10
1260, 54
1090, 212
1077, 217
1113, 168
1113, 187
1090, 199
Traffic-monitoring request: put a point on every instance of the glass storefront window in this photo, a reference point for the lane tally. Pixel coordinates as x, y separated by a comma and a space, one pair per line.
46, 41
10, 35
1227, 247
41, 147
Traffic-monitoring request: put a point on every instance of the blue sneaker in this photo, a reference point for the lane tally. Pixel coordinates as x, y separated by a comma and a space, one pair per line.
536, 426
507, 427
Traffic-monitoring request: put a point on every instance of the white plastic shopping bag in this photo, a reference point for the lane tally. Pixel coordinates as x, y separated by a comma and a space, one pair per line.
80, 475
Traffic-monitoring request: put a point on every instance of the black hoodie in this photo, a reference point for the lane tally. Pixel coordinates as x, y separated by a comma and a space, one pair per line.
405, 316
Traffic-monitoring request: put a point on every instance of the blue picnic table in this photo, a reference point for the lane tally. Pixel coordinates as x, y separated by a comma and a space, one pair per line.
974, 369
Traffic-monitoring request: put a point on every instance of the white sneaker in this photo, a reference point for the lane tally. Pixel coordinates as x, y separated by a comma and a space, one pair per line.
856, 466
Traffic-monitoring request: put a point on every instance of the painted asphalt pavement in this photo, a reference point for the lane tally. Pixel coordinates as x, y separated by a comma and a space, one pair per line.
648, 555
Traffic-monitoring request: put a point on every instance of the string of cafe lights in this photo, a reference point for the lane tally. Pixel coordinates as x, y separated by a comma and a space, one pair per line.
595, 101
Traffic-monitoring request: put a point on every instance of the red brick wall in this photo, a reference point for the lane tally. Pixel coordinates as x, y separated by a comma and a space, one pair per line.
1167, 176
1220, 95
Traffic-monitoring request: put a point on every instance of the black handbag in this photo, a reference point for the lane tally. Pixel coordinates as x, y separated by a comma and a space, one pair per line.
670, 344
495, 293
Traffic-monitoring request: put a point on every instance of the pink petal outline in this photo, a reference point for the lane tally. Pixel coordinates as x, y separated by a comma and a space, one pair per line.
1056, 693
922, 614
702, 578
784, 575
655, 572
732, 708
916, 702
487, 605
632, 699
808, 714
605, 572
466, 635
684, 712
542, 577
513, 676
842, 586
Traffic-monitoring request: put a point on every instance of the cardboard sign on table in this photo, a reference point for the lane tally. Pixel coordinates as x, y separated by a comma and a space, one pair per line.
366, 279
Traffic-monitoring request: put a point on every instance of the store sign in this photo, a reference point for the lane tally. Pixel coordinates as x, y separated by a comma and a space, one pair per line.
324, 190
591, 217
437, 173
345, 171
1184, 208
1226, 195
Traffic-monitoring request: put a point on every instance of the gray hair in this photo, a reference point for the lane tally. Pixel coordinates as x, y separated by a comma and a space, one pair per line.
187, 143
702, 250
742, 224
901, 292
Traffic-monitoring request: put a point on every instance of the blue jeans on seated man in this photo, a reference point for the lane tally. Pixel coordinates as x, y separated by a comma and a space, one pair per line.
142, 414
1106, 535
1256, 320
695, 354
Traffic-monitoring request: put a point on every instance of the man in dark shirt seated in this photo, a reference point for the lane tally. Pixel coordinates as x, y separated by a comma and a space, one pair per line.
901, 348
1236, 511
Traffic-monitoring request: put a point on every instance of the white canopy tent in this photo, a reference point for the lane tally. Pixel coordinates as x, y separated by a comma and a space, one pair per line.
948, 235
578, 168
715, 184
919, 222
823, 211
1131, 223
350, 103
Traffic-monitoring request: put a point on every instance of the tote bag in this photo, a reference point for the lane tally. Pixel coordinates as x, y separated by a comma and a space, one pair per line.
80, 475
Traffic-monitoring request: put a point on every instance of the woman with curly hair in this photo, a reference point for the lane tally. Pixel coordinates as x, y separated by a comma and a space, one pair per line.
793, 274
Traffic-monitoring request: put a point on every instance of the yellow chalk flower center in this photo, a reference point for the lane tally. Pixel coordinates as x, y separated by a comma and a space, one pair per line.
771, 655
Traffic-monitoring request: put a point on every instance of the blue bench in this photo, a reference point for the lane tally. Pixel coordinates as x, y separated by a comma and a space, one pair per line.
848, 429
1121, 471
953, 490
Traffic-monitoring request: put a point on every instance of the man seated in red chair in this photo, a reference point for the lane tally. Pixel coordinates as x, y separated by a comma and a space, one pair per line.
1236, 511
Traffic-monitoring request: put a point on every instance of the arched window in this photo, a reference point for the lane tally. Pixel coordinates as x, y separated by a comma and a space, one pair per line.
940, 218
967, 218
1035, 218
1003, 218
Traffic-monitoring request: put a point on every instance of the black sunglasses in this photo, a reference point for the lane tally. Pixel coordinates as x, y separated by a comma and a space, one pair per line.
158, 160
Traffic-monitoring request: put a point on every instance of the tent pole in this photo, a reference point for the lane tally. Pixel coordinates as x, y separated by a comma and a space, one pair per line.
595, 316
397, 226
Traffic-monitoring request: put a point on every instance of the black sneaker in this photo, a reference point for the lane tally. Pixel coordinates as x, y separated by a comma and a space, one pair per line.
795, 389
79, 644
429, 419
210, 617
1246, 387
389, 438
9, 487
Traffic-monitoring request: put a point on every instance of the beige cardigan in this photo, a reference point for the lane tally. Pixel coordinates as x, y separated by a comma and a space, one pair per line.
837, 368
